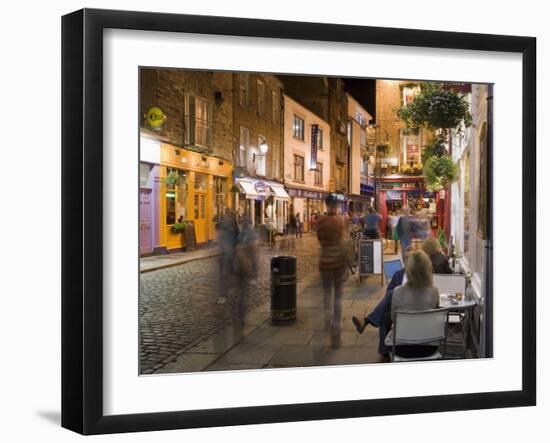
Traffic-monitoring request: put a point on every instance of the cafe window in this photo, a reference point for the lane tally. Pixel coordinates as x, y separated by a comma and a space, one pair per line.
220, 192
275, 107
319, 174
298, 128
261, 97
197, 122
176, 195
298, 168
244, 90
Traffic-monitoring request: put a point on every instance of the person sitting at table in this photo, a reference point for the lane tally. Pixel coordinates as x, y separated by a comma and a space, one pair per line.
380, 316
417, 294
440, 263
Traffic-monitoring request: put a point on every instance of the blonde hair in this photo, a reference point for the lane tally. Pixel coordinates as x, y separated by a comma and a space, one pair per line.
419, 270
431, 245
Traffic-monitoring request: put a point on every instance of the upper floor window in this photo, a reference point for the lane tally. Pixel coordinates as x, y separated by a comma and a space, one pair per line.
409, 93
318, 179
275, 107
298, 168
320, 139
244, 90
261, 97
298, 128
197, 121
244, 144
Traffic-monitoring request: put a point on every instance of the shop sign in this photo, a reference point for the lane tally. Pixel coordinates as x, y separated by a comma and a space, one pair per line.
262, 189
339, 197
394, 195
155, 118
302, 193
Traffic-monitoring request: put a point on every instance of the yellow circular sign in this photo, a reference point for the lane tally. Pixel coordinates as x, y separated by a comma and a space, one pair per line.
155, 118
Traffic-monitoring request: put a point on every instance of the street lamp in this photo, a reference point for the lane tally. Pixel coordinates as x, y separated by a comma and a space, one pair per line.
264, 148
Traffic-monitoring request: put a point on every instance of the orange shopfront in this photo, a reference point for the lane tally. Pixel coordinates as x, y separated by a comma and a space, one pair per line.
194, 188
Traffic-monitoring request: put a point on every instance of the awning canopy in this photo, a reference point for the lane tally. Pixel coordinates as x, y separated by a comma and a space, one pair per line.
279, 191
248, 189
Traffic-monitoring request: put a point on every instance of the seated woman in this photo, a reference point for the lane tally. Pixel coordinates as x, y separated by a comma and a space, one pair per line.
380, 316
418, 294
440, 262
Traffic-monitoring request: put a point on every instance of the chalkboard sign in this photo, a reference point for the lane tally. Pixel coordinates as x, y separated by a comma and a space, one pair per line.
190, 238
370, 258
366, 257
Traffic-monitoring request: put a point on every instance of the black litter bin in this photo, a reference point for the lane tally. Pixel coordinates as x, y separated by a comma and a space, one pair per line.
283, 289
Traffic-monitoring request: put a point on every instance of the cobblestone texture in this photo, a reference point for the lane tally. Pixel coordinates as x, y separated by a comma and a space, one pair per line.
178, 305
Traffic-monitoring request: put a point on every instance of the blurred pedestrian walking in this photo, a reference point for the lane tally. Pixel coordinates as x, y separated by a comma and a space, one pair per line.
332, 265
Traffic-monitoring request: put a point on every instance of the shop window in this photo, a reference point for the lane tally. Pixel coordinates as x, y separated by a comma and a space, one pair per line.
197, 122
261, 97
176, 195
298, 128
244, 90
319, 174
298, 168
220, 192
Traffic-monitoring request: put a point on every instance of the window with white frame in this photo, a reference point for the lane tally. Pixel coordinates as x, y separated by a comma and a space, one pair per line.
244, 144
298, 128
260, 92
197, 122
244, 90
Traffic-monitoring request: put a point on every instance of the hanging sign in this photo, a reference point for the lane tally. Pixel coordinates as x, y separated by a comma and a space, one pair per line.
155, 118
314, 136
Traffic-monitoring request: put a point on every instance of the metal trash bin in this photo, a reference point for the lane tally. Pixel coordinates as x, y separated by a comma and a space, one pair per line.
283, 289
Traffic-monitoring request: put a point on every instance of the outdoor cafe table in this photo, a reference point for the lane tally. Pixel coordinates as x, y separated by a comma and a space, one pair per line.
449, 302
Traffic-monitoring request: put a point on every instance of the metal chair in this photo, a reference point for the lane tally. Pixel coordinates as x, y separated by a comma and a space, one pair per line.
419, 328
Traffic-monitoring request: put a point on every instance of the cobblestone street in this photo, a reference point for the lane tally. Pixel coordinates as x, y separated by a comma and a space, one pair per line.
178, 305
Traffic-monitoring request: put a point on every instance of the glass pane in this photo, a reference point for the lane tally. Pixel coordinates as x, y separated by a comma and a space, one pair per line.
182, 196
196, 206
200, 181
203, 206
170, 207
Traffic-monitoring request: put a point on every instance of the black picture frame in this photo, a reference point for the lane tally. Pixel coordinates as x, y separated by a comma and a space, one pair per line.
82, 231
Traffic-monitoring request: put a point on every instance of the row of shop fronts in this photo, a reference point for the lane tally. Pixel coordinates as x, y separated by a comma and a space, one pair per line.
178, 185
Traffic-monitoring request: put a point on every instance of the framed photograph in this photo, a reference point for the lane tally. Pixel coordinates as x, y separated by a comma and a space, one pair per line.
269, 221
